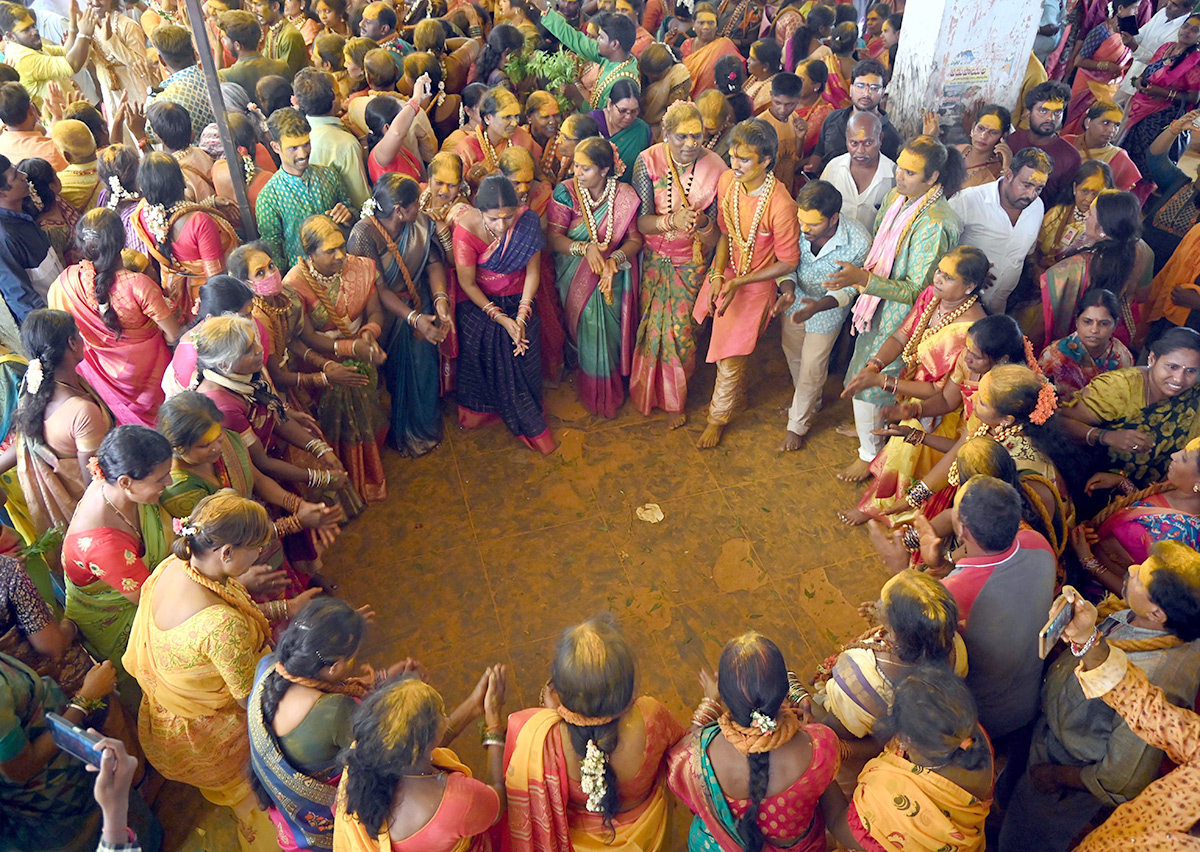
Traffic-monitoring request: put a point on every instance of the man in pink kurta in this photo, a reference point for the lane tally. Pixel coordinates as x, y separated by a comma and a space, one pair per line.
740, 292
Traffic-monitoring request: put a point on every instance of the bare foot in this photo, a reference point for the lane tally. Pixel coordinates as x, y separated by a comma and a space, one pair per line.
857, 471
847, 429
792, 443
676, 421
710, 437
852, 517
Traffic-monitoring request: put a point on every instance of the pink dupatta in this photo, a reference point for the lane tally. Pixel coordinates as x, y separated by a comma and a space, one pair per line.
886, 246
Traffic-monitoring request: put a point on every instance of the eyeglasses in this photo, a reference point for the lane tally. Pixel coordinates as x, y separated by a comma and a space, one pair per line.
873, 88
627, 113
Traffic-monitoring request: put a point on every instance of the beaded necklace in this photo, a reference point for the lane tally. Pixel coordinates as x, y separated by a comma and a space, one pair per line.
549, 156
610, 76
322, 286
274, 318
733, 215
685, 190
589, 211
925, 328
489, 152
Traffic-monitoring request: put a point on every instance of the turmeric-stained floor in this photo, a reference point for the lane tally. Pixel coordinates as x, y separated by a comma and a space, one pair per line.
485, 550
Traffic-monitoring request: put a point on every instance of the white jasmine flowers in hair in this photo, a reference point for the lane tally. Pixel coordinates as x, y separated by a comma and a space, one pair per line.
368, 208
762, 721
35, 373
117, 193
591, 780
156, 222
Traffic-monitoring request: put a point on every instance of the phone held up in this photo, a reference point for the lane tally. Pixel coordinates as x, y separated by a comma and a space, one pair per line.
1049, 635
73, 739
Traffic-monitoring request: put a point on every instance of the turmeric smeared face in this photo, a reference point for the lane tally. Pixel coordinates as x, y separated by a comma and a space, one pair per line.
587, 172
294, 152
911, 181
815, 226
505, 120
522, 180
1101, 130
1087, 190
987, 132
948, 284
444, 182
748, 165
706, 26
1046, 116
686, 141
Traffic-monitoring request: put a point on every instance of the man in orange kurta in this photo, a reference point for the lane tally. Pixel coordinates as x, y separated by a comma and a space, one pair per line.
760, 244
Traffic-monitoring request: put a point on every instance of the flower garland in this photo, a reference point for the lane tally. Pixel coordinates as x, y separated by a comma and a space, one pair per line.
746, 243
118, 193
489, 152
608, 78
591, 777
35, 374
924, 328
157, 219
589, 211
673, 180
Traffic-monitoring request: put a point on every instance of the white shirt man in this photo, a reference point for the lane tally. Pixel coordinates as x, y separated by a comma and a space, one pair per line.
1159, 30
1002, 219
861, 206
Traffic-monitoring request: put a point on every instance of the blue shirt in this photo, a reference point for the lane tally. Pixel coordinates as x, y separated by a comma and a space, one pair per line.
850, 244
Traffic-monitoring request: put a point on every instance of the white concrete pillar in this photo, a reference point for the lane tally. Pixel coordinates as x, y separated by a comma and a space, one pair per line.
955, 55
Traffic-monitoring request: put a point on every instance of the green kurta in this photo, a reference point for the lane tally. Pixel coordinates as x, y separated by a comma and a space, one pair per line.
579, 44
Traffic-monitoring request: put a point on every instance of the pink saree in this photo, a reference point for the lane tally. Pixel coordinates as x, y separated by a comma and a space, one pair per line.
1091, 87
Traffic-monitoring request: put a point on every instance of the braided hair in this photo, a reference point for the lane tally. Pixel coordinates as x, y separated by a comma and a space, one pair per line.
46, 336
100, 237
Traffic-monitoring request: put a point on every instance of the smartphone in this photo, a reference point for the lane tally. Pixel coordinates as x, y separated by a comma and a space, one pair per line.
73, 739
1128, 25
1053, 631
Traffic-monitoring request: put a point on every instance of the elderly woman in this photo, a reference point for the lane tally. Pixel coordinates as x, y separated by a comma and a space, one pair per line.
610, 743
619, 123
677, 219
340, 294
722, 769
402, 242
593, 232
400, 791
197, 681
188, 241
497, 250
125, 322
499, 113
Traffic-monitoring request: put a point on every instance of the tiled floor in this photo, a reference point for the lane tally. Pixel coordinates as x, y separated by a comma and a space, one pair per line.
485, 551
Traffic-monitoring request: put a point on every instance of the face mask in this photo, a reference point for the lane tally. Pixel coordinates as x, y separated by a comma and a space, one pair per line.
272, 285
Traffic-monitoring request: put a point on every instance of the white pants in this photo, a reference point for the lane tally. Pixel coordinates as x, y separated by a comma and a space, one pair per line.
868, 416
807, 356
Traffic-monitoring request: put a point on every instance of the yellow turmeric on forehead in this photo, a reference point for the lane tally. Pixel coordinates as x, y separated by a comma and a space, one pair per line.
403, 705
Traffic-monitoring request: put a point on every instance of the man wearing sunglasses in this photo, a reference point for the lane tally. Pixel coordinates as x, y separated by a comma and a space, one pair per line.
866, 93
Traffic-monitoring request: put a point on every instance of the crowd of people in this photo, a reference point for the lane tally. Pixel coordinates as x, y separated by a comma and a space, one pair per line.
476, 202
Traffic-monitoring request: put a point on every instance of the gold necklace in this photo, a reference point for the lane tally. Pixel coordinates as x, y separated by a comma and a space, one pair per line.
925, 327
746, 243
137, 531
489, 152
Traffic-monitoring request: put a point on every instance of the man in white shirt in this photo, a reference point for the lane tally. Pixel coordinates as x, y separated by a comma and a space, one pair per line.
1159, 30
1002, 219
863, 175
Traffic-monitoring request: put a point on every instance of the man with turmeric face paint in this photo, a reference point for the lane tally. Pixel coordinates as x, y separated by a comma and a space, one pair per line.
915, 227
1047, 104
759, 245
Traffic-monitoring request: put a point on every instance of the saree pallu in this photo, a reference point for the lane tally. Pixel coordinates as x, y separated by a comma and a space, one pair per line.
1133, 531
676, 84
303, 804
602, 331
1092, 87
539, 817
899, 805
837, 86
1064, 284
52, 486
1148, 116
351, 418
814, 117
67, 669
740, 20
1069, 367
702, 63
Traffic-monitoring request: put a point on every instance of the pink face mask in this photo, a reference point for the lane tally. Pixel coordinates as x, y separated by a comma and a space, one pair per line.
272, 285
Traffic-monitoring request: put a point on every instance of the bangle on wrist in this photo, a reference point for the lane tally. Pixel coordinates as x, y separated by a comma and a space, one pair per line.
1081, 650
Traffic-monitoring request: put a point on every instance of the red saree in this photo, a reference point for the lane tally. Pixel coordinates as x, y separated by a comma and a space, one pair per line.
702, 62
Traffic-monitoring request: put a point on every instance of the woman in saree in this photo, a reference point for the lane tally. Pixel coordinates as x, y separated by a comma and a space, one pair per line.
45, 204
188, 241
1064, 227
1167, 88
814, 109
938, 760
388, 124
664, 81
677, 218
808, 42
116, 538
1117, 259
840, 62
402, 242
576, 738
340, 293
402, 790
593, 234
497, 251
194, 646
1089, 350
1094, 142
119, 56
1100, 64
60, 422
221, 294
914, 623
754, 773
700, 53
499, 114
763, 62
930, 340
987, 155
619, 123
208, 457
125, 322
117, 167
1140, 416
444, 198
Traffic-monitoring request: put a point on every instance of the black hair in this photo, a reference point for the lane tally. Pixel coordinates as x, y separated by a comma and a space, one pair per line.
815, 70
1051, 90
934, 711
582, 122
472, 94
844, 38
922, 617
416, 64
618, 28
119, 161
222, 294
243, 131
998, 462
753, 679
845, 13
973, 267
386, 16
41, 176
241, 27
171, 123
730, 77
287, 122
822, 196
14, 104
999, 338
599, 151
495, 191
504, 38
624, 89
1172, 340
1001, 113
866, 68
1018, 397
945, 160
1176, 597
185, 418
593, 673
1089, 168
394, 190
991, 510
236, 263
759, 135
1190, 49
1120, 215
8, 74
895, 20
769, 53
45, 335
796, 50
131, 450
324, 631
786, 85
273, 92
161, 179
100, 237
313, 90
89, 115
380, 112
1099, 297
